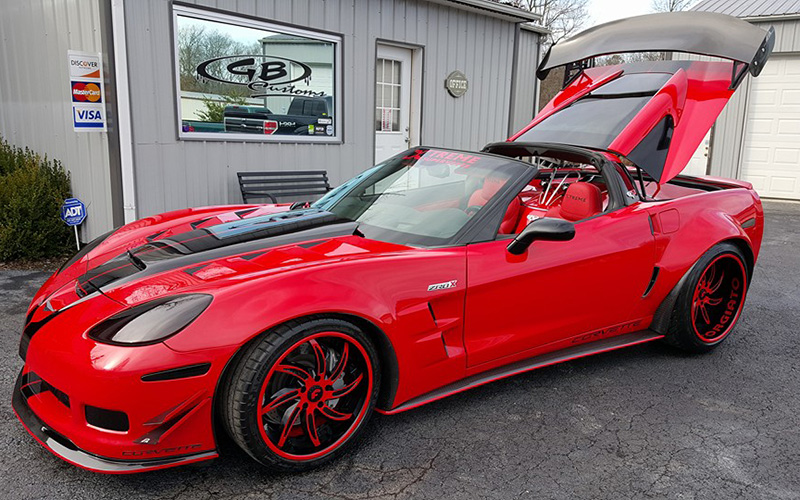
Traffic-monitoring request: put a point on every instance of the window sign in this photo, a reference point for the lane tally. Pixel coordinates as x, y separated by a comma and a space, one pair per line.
242, 79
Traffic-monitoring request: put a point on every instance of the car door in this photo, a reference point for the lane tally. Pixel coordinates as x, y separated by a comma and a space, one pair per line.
558, 292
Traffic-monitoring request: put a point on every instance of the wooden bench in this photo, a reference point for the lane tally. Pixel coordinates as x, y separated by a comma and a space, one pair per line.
298, 185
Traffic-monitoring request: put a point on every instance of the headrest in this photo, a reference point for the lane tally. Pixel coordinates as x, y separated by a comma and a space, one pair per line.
581, 200
491, 185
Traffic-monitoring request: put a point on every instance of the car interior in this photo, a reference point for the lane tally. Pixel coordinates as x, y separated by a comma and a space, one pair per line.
569, 191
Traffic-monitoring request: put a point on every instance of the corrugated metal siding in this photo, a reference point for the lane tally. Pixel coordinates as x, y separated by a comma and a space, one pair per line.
726, 147
172, 174
787, 35
35, 94
726, 139
525, 87
750, 8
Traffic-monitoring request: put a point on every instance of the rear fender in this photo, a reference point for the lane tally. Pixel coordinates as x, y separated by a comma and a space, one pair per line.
684, 231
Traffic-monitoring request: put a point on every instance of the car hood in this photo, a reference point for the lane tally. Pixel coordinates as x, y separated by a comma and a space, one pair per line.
196, 249
654, 113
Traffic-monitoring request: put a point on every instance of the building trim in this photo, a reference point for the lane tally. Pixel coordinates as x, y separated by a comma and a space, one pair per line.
512, 97
107, 44
506, 12
768, 19
124, 125
535, 28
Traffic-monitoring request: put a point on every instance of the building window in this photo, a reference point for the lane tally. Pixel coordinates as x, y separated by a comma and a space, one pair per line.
241, 79
387, 95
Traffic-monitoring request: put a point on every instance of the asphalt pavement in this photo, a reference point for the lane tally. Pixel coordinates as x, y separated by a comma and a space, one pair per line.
642, 422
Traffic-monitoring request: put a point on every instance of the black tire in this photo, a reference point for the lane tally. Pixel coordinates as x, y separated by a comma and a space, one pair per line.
710, 301
300, 432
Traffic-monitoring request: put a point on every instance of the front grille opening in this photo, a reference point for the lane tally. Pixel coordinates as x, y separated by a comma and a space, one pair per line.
33, 384
60, 395
107, 419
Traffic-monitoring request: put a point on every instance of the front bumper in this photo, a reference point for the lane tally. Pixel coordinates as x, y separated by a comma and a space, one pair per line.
65, 449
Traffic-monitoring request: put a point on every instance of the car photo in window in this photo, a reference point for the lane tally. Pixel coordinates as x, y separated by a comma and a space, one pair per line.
249, 80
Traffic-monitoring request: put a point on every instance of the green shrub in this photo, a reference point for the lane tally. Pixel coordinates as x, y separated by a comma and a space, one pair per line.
215, 110
32, 189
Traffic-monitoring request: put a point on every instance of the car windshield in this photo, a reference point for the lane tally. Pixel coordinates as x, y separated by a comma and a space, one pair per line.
422, 197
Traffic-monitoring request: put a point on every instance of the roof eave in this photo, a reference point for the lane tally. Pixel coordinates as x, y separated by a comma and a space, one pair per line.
774, 17
535, 28
493, 9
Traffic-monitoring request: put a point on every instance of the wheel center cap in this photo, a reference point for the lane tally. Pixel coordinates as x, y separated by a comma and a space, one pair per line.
315, 393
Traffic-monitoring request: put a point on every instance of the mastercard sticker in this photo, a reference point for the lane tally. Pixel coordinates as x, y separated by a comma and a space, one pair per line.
86, 92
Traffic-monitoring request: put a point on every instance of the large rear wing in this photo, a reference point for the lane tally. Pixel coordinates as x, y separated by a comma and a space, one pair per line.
703, 33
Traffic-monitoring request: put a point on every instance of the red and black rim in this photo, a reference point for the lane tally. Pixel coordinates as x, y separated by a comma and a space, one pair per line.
315, 396
718, 298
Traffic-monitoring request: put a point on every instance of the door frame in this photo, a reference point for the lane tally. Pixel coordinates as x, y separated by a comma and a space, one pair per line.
417, 72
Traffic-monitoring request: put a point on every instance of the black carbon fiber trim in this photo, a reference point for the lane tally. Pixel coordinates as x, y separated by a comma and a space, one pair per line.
64, 448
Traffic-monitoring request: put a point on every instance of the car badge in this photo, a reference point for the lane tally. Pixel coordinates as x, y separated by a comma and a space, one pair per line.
442, 286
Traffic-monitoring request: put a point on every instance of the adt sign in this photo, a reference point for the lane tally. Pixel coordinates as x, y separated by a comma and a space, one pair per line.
73, 212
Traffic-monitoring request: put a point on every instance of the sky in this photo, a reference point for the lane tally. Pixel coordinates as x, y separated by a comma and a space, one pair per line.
602, 11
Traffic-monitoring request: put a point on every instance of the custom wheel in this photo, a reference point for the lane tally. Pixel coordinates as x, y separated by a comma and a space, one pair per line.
711, 300
302, 392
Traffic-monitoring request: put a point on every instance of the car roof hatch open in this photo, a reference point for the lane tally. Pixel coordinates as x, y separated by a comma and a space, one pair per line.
655, 113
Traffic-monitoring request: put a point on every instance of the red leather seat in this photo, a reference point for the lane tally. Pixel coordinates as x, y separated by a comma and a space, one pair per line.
491, 185
581, 201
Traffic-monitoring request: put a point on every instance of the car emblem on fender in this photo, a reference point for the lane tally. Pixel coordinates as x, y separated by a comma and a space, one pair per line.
442, 286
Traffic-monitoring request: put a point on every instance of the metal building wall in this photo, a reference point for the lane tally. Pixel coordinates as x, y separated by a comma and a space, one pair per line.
525, 85
171, 174
726, 140
35, 94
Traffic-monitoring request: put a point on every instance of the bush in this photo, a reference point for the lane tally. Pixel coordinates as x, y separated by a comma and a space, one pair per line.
215, 110
32, 190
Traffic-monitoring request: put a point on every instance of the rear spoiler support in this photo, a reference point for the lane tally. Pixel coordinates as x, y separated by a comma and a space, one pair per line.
574, 69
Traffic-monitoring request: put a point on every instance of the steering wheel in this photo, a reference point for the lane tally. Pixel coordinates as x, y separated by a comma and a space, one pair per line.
472, 209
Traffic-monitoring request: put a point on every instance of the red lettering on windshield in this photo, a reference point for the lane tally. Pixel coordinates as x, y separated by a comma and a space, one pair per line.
447, 157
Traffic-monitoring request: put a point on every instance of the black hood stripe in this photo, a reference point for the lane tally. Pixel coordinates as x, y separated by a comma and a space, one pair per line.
217, 242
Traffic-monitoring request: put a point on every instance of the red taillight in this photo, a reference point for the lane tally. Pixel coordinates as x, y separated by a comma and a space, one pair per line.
270, 126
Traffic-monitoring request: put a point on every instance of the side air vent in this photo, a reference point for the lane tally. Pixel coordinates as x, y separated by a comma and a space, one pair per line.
177, 373
653, 279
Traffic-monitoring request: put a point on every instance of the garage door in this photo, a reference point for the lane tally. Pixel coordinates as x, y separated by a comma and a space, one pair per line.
771, 160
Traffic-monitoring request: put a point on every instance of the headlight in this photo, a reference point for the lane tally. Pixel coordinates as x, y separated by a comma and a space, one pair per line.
152, 321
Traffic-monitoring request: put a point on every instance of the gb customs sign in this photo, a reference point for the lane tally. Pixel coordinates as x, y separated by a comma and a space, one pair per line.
456, 84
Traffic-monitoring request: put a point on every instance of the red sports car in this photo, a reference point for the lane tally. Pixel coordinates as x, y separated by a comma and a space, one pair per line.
436, 271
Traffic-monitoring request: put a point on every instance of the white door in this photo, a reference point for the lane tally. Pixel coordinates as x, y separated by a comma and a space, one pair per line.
392, 101
699, 160
771, 159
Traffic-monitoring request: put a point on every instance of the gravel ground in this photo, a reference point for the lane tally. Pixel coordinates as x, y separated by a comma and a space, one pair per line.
646, 421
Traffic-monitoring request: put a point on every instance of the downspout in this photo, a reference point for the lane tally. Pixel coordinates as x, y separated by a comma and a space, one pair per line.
123, 111
538, 90
513, 98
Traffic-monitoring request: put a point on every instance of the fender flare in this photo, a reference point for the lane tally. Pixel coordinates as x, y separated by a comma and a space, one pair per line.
663, 314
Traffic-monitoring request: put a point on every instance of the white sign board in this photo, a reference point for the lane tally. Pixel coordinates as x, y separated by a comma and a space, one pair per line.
87, 92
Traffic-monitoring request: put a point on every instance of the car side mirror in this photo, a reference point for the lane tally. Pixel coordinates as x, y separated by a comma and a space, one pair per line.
545, 229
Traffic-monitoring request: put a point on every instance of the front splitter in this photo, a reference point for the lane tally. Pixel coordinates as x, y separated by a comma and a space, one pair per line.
65, 449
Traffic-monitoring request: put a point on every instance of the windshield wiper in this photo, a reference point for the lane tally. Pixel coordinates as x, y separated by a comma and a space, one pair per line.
136, 261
